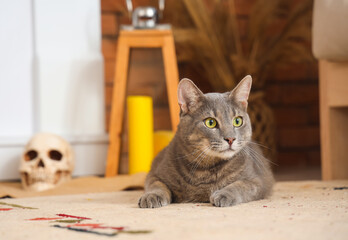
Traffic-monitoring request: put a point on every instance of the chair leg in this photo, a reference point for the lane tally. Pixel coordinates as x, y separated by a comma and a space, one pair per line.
172, 79
118, 105
333, 120
324, 125
338, 142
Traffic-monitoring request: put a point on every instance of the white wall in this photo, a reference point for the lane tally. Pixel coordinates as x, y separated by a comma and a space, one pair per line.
16, 63
51, 79
69, 66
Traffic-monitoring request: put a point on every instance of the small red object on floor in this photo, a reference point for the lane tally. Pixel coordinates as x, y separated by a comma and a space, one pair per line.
43, 218
5, 209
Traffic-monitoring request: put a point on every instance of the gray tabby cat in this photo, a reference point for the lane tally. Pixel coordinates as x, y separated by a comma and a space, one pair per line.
211, 158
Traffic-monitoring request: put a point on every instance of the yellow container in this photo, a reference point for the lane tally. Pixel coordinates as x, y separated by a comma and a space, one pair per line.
140, 133
161, 140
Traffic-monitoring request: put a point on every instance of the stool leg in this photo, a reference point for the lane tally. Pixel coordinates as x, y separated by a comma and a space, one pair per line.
172, 79
117, 107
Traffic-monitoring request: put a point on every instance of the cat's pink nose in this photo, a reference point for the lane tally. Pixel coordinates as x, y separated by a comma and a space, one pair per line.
229, 140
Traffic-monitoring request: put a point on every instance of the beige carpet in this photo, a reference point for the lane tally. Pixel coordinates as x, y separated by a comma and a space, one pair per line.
297, 210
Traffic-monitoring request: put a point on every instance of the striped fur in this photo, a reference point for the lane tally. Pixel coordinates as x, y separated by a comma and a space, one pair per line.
198, 166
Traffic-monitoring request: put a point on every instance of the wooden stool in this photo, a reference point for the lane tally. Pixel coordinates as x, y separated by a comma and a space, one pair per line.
139, 39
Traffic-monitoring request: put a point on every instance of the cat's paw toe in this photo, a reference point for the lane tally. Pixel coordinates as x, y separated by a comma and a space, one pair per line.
152, 200
222, 199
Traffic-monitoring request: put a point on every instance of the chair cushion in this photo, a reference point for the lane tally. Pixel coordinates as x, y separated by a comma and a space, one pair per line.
330, 30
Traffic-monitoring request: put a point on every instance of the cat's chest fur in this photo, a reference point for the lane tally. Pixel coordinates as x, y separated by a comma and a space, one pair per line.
198, 187
196, 184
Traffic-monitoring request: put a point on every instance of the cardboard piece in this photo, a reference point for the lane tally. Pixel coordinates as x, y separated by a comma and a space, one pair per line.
78, 186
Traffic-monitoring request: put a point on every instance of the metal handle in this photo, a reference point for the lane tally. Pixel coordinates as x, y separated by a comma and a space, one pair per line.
161, 4
130, 8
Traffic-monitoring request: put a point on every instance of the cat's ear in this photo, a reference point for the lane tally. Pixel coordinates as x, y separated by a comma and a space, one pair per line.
240, 93
189, 95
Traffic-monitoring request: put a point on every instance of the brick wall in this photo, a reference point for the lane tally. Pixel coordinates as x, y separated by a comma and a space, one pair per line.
291, 90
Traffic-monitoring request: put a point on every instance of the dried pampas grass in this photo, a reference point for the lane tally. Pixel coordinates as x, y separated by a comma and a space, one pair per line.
278, 32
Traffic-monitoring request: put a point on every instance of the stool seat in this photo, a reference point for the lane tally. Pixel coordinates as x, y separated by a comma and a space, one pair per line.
144, 38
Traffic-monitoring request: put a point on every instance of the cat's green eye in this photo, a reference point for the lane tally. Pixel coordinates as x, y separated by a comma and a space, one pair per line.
237, 121
210, 122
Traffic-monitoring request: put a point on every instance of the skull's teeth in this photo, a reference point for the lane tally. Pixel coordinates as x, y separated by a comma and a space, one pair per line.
41, 176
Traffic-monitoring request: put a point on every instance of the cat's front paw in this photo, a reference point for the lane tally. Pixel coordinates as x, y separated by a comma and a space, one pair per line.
153, 200
223, 198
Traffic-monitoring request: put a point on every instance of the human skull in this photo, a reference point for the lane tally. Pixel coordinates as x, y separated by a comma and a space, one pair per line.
46, 162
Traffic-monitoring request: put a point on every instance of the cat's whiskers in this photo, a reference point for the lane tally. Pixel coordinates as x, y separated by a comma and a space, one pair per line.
219, 152
200, 152
190, 154
192, 172
194, 168
260, 160
260, 155
216, 146
197, 162
198, 157
258, 144
246, 152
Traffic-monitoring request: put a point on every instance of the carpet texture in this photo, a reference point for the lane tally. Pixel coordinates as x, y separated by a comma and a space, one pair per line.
296, 210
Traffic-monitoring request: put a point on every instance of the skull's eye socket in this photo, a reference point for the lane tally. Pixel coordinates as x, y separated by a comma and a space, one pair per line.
30, 155
55, 155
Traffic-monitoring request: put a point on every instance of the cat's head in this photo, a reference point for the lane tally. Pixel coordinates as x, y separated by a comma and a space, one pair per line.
216, 123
